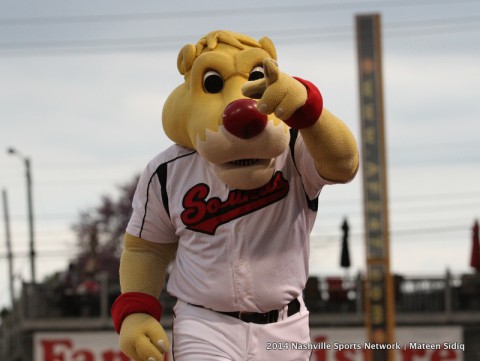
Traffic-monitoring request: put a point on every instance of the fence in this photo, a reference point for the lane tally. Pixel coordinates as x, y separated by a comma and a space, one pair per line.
446, 294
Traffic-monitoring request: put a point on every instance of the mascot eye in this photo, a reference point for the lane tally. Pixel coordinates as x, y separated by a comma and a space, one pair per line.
256, 73
212, 82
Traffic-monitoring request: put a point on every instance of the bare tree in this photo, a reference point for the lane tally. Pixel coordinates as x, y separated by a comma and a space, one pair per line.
100, 231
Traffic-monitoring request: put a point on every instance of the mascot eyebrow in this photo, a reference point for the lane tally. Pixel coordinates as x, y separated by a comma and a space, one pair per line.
189, 52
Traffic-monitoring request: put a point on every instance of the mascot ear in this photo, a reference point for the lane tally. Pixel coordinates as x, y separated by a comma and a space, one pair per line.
185, 59
268, 46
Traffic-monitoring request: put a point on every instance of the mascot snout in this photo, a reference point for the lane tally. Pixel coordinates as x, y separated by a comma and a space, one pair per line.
242, 119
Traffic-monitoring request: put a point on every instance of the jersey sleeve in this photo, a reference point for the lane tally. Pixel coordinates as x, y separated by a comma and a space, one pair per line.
150, 220
305, 164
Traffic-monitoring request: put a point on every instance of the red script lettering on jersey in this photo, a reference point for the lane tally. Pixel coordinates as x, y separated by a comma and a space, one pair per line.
205, 216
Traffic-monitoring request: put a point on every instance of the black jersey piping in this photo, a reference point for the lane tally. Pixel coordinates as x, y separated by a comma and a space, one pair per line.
312, 203
161, 173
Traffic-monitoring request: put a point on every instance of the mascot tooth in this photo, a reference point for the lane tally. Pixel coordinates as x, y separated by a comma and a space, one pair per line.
231, 204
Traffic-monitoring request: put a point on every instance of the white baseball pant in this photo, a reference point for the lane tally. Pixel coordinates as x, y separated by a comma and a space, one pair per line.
200, 334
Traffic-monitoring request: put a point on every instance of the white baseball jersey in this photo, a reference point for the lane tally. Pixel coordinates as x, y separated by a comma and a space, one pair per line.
238, 250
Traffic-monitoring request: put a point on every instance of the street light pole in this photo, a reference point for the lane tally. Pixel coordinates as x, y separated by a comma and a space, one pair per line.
30, 218
9, 244
28, 175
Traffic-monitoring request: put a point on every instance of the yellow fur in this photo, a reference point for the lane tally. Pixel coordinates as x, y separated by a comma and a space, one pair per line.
193, 117
329, 141
142, 269
333, 147
145, 261
189, 111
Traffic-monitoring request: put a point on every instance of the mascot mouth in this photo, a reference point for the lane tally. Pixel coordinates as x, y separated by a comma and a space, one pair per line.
252, 163
245, 173
244, 162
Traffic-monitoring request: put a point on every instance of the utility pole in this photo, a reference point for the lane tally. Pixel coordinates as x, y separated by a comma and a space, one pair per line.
30, 218
9, 244
28, 174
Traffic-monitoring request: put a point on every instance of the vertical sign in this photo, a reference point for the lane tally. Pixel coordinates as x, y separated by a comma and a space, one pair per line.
379, 315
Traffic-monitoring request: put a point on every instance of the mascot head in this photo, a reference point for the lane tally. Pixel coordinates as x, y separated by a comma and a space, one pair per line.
209, 113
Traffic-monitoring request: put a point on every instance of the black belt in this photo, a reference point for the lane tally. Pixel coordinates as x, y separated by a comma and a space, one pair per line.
262, 318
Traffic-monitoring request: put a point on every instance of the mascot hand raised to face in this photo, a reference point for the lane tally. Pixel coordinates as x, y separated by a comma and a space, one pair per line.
232, 203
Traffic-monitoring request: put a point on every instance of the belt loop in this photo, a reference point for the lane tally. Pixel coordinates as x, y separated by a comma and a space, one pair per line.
274, 317
293, 307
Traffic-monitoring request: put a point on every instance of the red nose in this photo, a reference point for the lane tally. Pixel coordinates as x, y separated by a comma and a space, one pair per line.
242, 118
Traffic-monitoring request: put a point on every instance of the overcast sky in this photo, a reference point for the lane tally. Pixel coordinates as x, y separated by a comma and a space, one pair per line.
82, 85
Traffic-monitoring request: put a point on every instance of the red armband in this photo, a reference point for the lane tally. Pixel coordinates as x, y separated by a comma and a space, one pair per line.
134, 302
307, 114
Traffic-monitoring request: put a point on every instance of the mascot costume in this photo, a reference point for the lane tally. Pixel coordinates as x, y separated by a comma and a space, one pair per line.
232, 204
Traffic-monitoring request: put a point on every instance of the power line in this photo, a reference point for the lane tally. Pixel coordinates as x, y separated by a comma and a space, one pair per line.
225, 12
328, 238
439, 197
432, 197
399, 206
142, 44
324, 240
48, 253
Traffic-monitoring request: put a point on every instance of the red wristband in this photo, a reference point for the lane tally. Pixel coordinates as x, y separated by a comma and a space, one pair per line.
308, 113
134, 302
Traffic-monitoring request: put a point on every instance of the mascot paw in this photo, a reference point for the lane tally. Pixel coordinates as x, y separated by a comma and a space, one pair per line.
142, 338
278, 92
